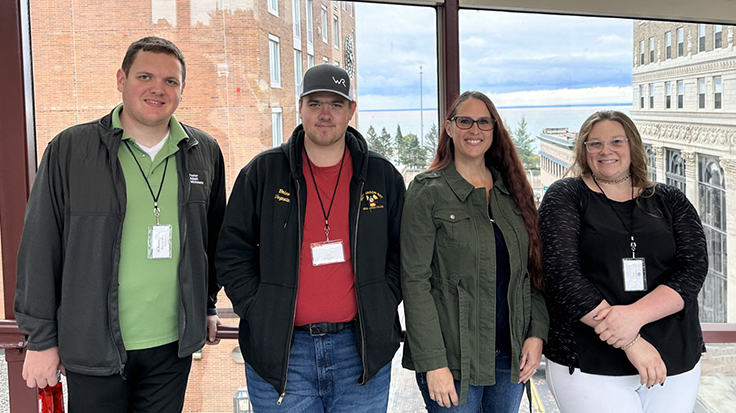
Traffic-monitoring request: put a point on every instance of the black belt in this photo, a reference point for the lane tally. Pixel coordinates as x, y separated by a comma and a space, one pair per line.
320, 329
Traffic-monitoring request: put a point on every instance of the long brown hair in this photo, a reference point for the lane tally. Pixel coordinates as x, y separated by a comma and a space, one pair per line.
638, 168
503, 156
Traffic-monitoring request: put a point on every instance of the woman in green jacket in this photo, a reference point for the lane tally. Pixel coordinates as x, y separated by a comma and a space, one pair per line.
472, 268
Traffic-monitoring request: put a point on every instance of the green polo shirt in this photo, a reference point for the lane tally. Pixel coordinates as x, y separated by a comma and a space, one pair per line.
148, 288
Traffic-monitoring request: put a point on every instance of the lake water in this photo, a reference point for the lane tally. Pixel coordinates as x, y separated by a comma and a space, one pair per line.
537, 118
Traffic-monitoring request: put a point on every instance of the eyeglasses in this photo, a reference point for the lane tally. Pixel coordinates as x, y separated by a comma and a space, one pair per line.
597, 146
465, 122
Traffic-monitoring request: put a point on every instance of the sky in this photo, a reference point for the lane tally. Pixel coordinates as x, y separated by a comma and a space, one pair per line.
518, 59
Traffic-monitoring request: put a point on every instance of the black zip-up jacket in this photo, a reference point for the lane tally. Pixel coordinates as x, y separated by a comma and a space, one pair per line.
67, 290
258, 254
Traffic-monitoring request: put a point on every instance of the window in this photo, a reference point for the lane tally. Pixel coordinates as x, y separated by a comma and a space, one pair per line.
298, 70
701, 38
297, 17
717, 92
717, 36
325, 60
273, 7
350, 8
337, 63
667, 95
680, 94
310, 61
668, 45
310, 22
701, 93
324, 24
277, 126
651, 163
651, 50
641, 96
712, 299
675, 171
680, 42
641, 52
274, 55
335, 32
651, 96
344, 5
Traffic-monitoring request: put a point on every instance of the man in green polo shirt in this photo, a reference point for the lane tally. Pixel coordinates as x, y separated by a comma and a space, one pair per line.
115, 281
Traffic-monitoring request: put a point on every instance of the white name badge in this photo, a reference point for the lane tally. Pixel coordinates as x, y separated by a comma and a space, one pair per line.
159, 241
328, 252
635, 274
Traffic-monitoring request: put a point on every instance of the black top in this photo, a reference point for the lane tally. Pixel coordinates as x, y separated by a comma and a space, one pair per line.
584, 242
503, 273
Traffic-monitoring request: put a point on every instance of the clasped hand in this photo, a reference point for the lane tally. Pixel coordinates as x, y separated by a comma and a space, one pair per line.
617, 325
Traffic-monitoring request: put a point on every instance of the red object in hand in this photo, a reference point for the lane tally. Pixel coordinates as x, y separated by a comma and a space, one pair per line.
51, 399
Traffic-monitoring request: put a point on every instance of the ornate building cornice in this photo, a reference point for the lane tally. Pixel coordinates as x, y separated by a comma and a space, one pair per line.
714, 137
686, 70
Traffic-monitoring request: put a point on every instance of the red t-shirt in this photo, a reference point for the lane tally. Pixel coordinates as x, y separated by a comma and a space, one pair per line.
326, 293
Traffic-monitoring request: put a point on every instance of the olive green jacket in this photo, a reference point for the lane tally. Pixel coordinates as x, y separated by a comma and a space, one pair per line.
448, 276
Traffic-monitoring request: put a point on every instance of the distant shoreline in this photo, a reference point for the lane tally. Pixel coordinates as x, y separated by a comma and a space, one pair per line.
578, 105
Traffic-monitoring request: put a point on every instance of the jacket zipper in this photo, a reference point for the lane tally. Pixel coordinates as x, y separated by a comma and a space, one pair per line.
293, 314
116, 270
357, 296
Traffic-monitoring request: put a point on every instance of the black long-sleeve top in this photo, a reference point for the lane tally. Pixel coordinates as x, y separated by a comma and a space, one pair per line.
584, 243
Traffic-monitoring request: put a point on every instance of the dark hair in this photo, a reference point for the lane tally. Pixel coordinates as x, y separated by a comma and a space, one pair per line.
638, 168
155, 45
503, 156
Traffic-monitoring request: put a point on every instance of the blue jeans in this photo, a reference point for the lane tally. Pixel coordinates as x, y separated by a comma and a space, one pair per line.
502, 397
322, 377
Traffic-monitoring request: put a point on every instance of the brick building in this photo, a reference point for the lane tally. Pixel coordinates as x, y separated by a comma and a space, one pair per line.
244, 62
684, 78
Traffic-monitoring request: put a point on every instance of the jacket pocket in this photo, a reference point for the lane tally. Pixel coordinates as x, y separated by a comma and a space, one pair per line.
453, 227
452, 310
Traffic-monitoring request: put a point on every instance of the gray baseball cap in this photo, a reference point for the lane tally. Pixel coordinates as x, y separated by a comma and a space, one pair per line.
327, 78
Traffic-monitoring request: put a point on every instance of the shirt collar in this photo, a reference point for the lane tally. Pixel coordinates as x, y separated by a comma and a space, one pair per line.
176, 131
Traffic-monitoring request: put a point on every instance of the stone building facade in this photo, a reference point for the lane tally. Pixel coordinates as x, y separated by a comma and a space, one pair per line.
245, 59
684, 84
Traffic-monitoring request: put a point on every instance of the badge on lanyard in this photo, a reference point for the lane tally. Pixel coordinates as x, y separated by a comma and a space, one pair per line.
327, 252
635, 274
159, 241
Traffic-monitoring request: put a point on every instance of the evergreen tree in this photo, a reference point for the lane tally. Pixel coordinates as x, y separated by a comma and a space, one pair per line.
414, 155
430, 144
385, 141
377, 143
524, 141
400, 145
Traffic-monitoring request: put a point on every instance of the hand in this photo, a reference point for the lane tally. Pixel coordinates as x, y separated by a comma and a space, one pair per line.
212, 322
648, 362
618, 325
441, 386
531, 355
40, 367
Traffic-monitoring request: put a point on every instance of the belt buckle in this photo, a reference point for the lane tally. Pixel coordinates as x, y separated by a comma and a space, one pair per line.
314, 330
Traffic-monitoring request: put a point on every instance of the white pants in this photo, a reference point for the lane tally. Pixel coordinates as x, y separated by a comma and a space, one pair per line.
593, 393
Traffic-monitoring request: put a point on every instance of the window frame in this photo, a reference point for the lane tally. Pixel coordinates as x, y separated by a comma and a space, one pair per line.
274, 58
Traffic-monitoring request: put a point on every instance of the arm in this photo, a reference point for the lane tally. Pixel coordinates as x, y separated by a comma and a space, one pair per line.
215, 216
393, 258
569, 291
40, 271
237, 247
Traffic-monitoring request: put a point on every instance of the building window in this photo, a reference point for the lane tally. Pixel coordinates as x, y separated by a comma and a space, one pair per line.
335, 32
667, 95
324, 24
310, 22
325, 60
680, 94
712, 199
668, 45
274, 55
297, 70
310, 61
296, 14
350, 8
680, 42
641, 96
273, 7
344, 5
717, 36
641, 52
651, 163
337, 63
675, 172
651, 96
651, 50
701, 38
717, 92
277, 126
701, 93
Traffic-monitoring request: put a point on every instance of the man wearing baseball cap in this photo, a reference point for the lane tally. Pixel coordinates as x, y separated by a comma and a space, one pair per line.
309, 256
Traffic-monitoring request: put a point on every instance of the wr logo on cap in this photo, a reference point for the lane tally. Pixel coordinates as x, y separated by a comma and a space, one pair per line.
339, 82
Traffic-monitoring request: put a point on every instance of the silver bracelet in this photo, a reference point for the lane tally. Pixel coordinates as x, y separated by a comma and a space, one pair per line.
631, 343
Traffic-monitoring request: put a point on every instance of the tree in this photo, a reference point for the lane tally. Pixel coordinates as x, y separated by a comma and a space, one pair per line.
414, 155
400, 144
385, 142
430, 143
379, 143
523, 141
